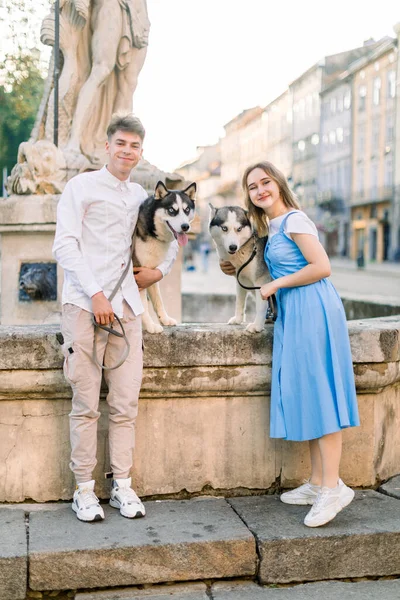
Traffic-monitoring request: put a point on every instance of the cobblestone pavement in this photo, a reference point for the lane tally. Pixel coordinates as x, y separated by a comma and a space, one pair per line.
376, 282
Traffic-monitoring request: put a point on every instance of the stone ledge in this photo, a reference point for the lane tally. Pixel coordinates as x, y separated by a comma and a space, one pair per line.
177, 541
30, 209
363, 540
13, 555
374, 341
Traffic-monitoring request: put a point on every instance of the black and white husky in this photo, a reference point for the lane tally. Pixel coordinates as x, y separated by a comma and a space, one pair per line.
163, 218
232, 233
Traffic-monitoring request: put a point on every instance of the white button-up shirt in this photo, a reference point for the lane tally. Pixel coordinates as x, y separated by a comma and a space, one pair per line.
96, 216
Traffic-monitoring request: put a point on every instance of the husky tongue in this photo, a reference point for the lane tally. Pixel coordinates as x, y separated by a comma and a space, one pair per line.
182, 239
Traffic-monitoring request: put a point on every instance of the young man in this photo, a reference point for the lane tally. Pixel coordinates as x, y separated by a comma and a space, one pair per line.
96, 216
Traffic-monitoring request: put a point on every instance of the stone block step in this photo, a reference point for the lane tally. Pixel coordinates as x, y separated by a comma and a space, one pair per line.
391, 487
191, 591
13, 555
176, 541
362, 541
328, 590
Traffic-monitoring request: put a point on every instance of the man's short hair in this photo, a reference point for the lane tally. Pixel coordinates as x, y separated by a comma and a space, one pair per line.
125, 122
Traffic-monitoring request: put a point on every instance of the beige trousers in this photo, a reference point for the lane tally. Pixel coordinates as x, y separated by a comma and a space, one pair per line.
85, 377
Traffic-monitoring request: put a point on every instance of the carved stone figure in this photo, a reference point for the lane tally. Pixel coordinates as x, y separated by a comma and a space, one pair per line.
40, 169
39, 281
103, 45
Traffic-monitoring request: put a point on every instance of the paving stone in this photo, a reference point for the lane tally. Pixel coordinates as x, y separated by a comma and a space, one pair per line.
192, 591
13, 555
363, 540
177, 541
328, 590
391, 487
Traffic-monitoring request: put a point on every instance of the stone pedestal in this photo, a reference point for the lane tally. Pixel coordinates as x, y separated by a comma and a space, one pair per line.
27, 227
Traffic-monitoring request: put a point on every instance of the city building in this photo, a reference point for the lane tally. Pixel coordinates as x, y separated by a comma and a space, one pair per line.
305, 93
374, 103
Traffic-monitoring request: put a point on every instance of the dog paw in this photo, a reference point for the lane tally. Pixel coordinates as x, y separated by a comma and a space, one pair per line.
153, 328
168, 322
254, 328
235, 321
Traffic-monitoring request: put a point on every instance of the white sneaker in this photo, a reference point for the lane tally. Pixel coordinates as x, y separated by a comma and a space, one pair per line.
124, 498
86, 504
305, 494
329, 503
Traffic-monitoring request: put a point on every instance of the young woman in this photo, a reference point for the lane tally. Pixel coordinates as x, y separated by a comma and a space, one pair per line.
313, 393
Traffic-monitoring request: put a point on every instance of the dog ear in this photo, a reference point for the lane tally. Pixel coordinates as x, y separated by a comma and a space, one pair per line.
213, 211
191, 191
160, 191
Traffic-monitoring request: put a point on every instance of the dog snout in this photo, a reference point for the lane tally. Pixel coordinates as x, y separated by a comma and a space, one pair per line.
232, 248
185, 227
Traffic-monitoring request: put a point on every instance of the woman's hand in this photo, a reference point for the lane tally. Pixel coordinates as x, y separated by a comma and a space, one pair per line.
268, 289
227, 267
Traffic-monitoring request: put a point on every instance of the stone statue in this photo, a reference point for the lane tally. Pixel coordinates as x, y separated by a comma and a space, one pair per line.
40, 169
103, 45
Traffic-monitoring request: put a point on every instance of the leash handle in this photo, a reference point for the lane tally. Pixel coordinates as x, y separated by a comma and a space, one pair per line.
113, 332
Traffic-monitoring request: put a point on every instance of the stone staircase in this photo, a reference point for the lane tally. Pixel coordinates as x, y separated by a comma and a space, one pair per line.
251, 547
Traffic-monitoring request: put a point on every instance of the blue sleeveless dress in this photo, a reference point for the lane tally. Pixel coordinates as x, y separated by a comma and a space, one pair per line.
312, 391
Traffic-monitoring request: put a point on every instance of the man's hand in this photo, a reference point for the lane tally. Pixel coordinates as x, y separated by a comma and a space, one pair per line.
145, 277
102, 309
227, 267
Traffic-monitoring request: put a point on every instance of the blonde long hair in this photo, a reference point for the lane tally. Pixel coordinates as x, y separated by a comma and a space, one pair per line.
257, 215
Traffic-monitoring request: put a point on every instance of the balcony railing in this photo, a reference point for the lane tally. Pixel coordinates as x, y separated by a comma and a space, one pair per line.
375, 194
332, 200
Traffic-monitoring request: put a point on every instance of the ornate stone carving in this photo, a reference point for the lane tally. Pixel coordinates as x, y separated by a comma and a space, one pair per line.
40, 169
38, 281
103, 45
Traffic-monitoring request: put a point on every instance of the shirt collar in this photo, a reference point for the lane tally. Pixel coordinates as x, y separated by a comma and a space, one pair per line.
111, 179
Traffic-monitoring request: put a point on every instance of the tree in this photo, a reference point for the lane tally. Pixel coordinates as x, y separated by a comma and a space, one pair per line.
21, 74
20, 95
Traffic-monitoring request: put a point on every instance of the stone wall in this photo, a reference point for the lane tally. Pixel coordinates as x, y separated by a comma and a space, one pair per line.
204, 414
219, 308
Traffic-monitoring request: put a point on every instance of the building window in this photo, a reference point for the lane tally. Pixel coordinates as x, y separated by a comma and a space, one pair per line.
362, 97
347, 100
388, 174
339, 135
376, 95
375, 136
340, 103
374, 179
361, 140
391, 84
309, 106
315, 139
360, 180
333, 106
389, 127
332, 137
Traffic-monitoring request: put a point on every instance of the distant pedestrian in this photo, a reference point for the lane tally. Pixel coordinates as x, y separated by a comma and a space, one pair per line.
313, 393
204, 252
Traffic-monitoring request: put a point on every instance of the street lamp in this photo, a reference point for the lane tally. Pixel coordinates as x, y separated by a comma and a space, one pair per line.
56, 67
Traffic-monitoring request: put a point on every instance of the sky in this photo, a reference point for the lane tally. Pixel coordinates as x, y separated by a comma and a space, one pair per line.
210, 59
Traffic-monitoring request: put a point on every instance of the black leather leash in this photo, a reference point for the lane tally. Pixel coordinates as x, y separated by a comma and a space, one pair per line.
272, 311
110, 328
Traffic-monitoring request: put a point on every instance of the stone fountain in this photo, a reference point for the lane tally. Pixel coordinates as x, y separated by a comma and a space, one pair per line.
91, 88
